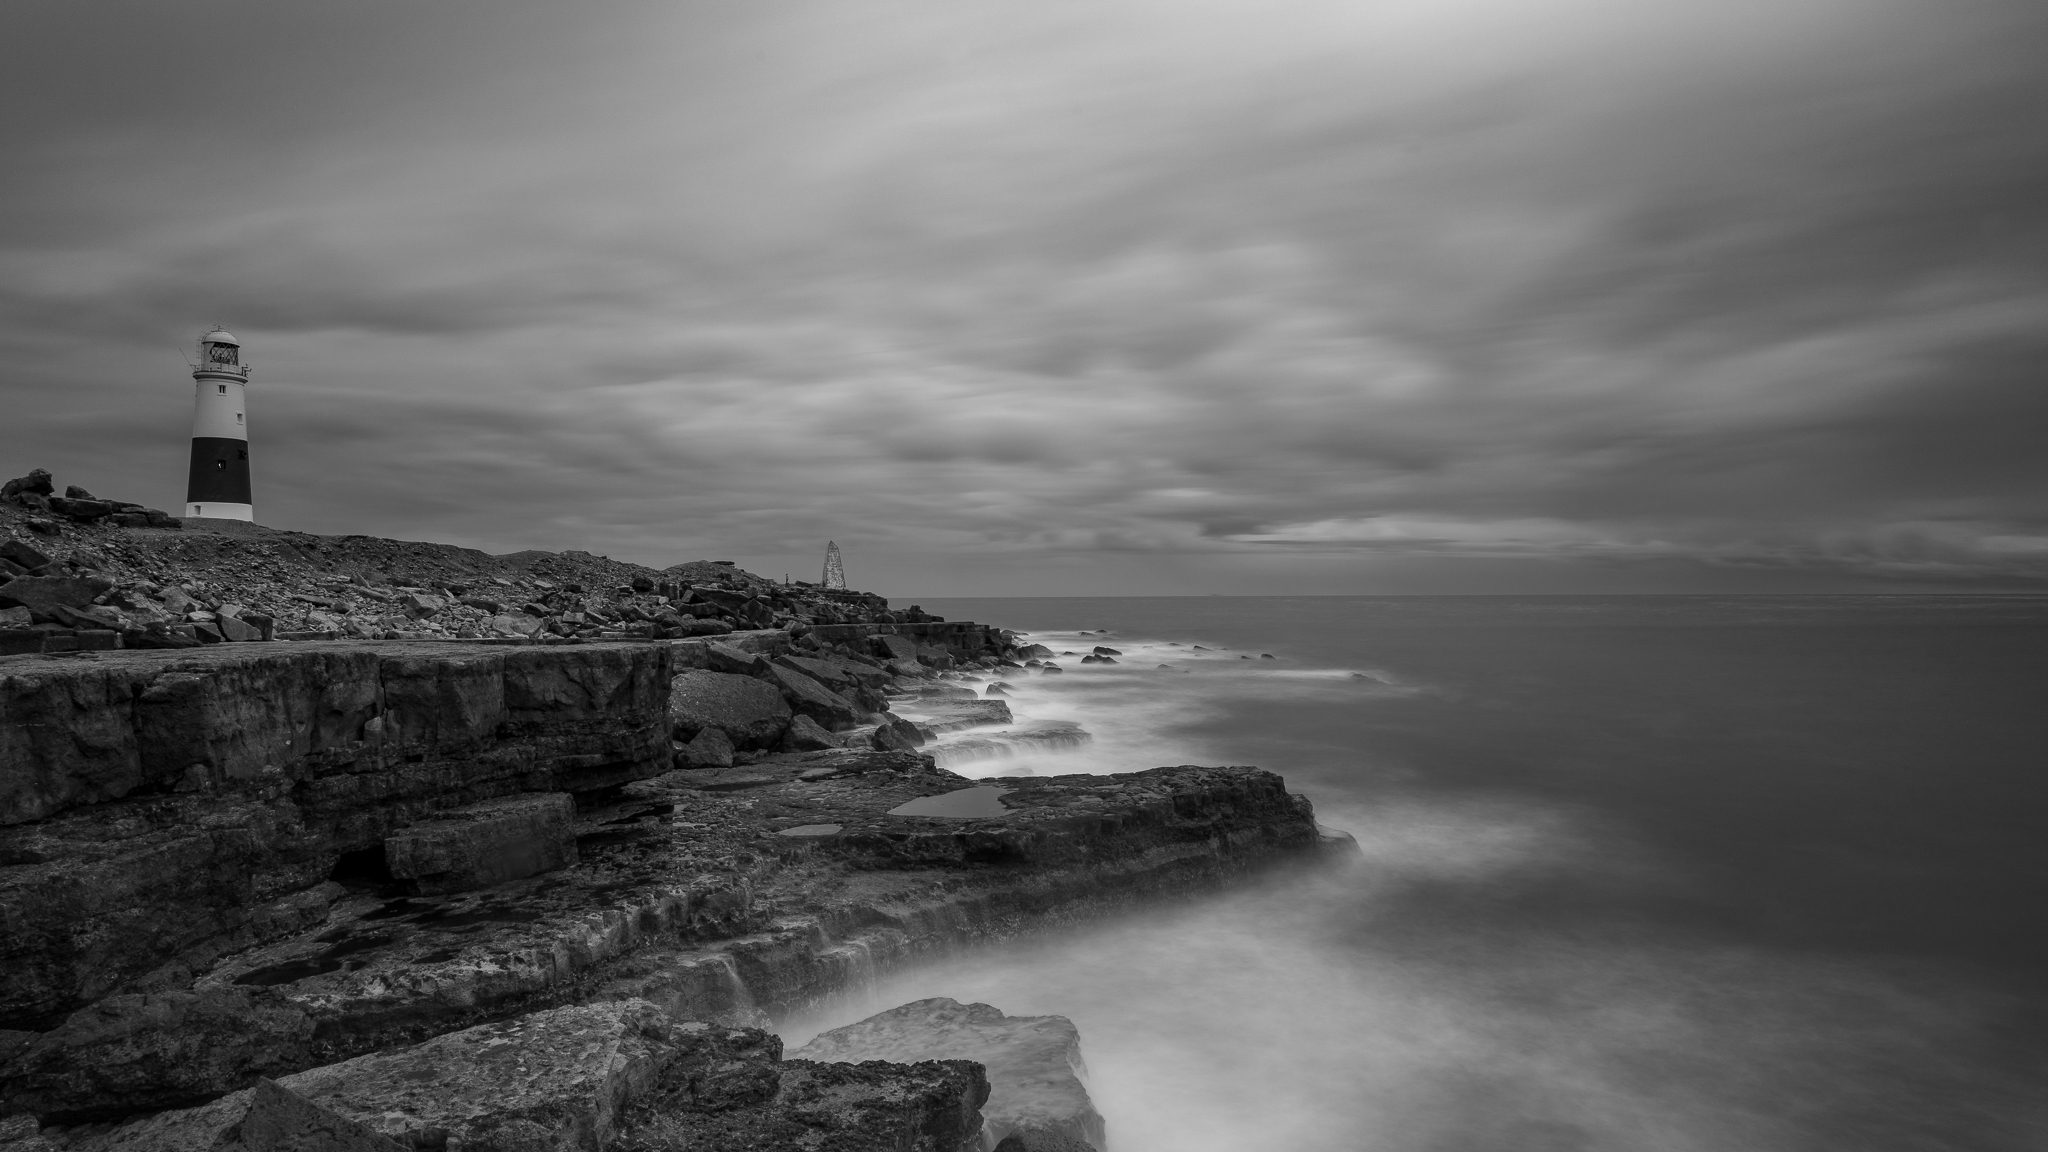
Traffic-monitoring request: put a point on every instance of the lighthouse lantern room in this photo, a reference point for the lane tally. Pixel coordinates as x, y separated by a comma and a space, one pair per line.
218, 486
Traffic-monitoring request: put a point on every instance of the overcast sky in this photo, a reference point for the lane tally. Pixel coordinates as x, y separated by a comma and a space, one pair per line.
1064, 296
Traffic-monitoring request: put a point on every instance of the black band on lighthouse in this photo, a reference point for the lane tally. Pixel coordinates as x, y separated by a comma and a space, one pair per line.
220, 471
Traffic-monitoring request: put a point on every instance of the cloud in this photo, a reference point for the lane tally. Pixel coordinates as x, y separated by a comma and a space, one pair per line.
1739, 287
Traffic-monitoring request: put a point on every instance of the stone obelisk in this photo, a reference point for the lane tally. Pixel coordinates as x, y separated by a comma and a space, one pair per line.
835, 572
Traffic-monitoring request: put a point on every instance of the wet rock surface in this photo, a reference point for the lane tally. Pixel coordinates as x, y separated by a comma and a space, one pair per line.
1033, 1063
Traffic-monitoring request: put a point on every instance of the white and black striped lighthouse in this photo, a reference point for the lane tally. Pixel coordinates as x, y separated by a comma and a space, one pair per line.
219, 483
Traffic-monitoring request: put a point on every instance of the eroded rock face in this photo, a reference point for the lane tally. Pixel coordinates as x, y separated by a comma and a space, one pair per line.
135, 1052
266, 1118
152, 803
479, 845
1033, 1063
82, 732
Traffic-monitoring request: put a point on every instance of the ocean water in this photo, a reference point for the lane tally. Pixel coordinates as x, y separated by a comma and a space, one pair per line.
1742, 874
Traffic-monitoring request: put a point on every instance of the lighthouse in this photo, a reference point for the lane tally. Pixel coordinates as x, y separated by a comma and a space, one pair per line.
218, 486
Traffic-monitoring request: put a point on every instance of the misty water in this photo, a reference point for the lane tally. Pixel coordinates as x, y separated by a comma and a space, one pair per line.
1758, 873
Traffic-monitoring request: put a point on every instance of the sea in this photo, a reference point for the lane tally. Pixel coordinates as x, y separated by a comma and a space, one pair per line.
1687, 873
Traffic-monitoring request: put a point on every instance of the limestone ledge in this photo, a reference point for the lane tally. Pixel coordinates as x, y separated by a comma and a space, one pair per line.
154, 802
204, 853
689, 895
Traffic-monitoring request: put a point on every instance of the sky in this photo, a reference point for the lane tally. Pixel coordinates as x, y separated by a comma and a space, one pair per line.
1067, 297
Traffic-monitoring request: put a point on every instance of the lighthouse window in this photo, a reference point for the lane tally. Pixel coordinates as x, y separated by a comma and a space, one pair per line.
220, 465
241, 453
223, 389
238, 417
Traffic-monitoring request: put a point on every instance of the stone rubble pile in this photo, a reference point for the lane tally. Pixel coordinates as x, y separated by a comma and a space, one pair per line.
823, 693
77, 573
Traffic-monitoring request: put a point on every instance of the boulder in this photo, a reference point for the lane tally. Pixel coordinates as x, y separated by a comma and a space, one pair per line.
42, 593
831, 673
484, 844
687, 628
812, 699
80, 509
1033, 1063
1033, 652
895, 648
24, 554
711, 748
806, 736
931, 1106
37, 482
897, 736
751, 712
845, 674
238, 630
726, 658
515, 624
1105, 650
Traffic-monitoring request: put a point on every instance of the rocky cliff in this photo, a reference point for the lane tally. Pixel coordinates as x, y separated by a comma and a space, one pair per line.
252, 888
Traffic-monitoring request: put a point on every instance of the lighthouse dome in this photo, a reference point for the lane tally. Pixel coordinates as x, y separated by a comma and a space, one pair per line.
220, 336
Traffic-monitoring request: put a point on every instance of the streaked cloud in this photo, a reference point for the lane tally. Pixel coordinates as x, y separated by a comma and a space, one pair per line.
1207, 295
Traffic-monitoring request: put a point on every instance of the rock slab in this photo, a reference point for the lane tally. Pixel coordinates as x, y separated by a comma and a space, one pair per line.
620, 1076
750, 712
1037, 1098
485, 844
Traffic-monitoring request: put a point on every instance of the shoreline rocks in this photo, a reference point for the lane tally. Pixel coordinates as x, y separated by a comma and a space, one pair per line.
1038, 1099
533, 890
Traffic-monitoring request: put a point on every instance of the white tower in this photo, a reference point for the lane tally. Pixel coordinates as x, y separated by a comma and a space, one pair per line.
218, 486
